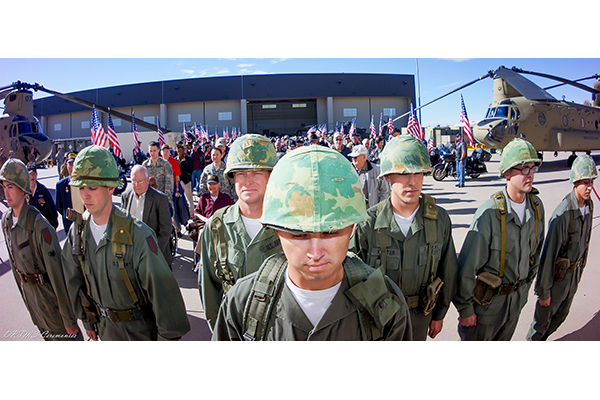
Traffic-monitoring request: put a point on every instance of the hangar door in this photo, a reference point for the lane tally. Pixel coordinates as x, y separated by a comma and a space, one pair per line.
282, 117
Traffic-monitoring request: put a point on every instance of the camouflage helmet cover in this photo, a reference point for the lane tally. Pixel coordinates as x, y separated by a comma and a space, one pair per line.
517, 152
250, 152
15, 172
95, 166
583, 167
313, 189
405, 154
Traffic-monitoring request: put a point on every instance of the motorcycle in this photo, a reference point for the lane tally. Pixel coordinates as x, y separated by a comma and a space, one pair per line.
474, 168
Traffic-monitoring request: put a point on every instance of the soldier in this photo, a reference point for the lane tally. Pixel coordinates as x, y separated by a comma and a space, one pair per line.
118, 280
234, 243
160, 170
501, 252
216, 167
316, 289
410, 238
565, 251
41, 198
34, 258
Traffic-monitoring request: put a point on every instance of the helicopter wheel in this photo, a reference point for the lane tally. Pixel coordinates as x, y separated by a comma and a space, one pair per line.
571, 160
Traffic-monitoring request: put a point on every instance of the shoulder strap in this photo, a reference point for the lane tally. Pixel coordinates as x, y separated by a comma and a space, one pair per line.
122, 235
500, 205
382, 240
538, 217
377, 303
430, 214
218, 236
267, 285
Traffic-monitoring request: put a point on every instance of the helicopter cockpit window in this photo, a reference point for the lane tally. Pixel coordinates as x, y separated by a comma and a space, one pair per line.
25, 127
502, 112
491, 112
515, 114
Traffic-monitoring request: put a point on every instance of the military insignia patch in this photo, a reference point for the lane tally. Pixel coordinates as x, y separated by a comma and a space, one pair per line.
152, 244
46, 235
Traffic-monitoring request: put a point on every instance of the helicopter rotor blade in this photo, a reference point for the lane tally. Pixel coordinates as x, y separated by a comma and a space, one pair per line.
557, 78
90, 105
490, 74
596, 76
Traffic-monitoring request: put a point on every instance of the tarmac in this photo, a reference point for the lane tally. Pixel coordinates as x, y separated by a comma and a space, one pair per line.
582, 324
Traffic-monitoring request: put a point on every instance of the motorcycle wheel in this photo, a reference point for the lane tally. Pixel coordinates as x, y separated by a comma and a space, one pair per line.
123, 186
439, 172
475, 176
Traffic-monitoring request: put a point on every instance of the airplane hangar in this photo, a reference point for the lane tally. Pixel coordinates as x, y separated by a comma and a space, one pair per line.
266, 104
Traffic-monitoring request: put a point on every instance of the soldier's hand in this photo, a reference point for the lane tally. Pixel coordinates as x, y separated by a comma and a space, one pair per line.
467, 322
72, 331
92, 335
435, 327
545, 303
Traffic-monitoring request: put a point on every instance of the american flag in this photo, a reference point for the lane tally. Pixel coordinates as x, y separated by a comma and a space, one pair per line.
465, 120
98, 135
112, 137
161, 136
337, 128
226, 133
136, 144
380, 124
312, 129
342, 130
430, 144
414, 128
372, 127
185, 136
197, 131
352, 127
390, 125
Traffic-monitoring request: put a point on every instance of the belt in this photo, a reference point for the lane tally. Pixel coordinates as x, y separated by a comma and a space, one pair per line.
132, 314
510, 287
412, 301
34, 279
575, 264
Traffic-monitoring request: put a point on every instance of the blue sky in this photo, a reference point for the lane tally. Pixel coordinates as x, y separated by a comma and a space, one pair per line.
437, 76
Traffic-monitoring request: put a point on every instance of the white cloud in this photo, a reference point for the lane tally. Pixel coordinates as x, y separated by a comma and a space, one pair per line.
277, 60
187, 71
244, 65
223, 71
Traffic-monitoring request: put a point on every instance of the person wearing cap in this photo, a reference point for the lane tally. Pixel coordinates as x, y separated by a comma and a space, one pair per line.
410, 237
160, 170
374, 189
461, 160
210, 202
41, 198
234, 243
221, 144
375, 154
500, 255
120, 285
198, 158
315, 290
59, 159
34, 254
216, 167
565, 251
149, 206
67, 196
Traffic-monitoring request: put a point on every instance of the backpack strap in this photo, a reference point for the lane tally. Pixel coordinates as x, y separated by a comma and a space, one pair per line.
268, 284
500, 205
222, 270
122, 235
382, 240
430, 214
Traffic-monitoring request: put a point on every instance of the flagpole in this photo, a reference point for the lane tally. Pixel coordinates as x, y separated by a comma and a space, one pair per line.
418, 91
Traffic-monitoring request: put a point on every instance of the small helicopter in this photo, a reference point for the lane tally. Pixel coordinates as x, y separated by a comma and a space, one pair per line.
520, 108
20, 130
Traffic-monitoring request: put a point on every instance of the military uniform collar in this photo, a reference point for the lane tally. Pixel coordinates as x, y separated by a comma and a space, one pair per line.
387, 215
573, 204
510, 214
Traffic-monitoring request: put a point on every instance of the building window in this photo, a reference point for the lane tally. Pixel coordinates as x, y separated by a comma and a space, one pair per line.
269, 106
85, 125
117, 122
389, 112
349, 112
225, 116
299, 105
150, 120
57, 127
184, 118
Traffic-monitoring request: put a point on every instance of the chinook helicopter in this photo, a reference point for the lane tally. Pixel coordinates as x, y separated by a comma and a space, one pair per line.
20, 130
520, 108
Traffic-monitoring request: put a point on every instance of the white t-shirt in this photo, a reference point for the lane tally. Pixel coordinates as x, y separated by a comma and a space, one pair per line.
97, 230
582, 210
314, 303
405, 223
252, 226
519, 208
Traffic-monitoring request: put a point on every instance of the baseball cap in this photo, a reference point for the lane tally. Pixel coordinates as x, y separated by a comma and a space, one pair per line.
212, 178
358, 150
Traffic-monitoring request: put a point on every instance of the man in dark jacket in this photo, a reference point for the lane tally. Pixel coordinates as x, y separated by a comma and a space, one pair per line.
41, 198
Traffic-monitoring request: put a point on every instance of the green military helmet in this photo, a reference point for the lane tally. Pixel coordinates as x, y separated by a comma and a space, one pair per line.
517, 152
250, 152
95, 166
584, 167
15, 172
404, 154
313, 189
